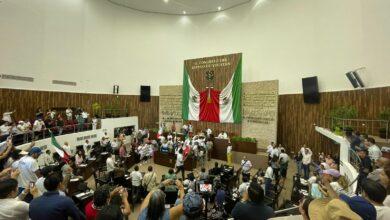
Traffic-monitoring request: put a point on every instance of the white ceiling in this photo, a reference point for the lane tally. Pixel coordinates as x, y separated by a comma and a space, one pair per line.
178, 7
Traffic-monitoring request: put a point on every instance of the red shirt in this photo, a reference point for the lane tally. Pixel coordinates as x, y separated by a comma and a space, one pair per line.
90, 211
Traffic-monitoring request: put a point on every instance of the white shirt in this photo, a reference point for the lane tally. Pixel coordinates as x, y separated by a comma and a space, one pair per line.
190, 128
382, 212
84, 115
85, 146
229, 149
374, 152
269, 149
13, 209
44, 160
306, 158
67, 150
274, 153
114, 145
4, 129
38, 125
39, 184
27, 167
136, 178
243, 187
7, 116
179, 160
209, 131
110, 163
269, 173
246, 165
283, 157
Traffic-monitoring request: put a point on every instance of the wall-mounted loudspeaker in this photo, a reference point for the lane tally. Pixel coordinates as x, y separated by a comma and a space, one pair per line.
355, 79
310, 90
145, 94
115, 89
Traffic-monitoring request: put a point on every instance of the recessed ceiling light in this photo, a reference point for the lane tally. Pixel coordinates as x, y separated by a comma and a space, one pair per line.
184, 12
219, 8
166, 1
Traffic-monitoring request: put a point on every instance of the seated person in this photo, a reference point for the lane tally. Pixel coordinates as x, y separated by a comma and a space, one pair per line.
216, 170
252, 207
79, 158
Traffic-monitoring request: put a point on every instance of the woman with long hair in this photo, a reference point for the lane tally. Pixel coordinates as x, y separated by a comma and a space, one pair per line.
153, 206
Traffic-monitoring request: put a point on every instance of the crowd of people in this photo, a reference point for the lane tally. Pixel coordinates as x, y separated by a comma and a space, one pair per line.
325, 188
71, 120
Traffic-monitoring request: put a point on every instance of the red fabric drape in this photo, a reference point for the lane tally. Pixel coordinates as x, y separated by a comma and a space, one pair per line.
209, 106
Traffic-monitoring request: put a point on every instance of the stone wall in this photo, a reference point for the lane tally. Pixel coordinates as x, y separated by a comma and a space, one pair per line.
170, 106
260, 111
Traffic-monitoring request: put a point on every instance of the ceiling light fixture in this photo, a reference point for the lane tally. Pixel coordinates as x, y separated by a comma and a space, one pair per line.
166, 1
219, 8
184, 12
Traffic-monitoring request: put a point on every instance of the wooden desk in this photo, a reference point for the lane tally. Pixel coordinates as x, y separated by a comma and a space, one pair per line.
87, 171
169, 160
219, 148
244, 147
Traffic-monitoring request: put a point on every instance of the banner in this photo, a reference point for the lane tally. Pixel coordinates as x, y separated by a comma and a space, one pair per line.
212, 89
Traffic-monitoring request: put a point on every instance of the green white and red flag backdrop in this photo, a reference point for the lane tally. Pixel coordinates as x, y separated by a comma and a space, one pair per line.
212, 105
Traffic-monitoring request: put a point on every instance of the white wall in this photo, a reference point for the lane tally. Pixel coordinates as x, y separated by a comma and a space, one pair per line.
346, 168
98, 44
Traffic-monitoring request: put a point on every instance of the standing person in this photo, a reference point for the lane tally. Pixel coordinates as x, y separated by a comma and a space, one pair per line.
69, 113
374, 152
180, 163
269, 149
60, 124
375, 193
11, 205
246, 166
80, 122
298, 160
365, 167
136, 180
283, 162
51, 205
122, 151
94, 123
29, 169
7, 116
229, 155
268, 177
252, 207
306, 161
110, 164
149, 181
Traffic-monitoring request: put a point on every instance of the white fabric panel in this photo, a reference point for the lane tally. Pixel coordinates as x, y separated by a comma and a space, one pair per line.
225, 110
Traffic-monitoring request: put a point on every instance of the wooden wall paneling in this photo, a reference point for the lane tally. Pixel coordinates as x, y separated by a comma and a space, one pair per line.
27, 101
296, 119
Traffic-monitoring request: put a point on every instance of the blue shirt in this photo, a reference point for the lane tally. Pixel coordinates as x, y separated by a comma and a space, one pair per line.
143, 215
51, 205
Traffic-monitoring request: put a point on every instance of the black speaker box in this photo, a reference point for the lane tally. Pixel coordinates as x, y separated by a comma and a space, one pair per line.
310, 90
145, 94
